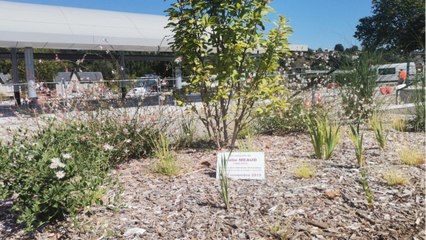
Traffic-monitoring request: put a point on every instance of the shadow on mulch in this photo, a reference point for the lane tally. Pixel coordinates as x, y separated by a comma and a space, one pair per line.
204, 145
9, 228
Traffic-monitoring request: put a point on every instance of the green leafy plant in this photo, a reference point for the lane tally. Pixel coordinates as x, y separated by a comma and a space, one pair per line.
247, 144
167, 164
357, 139
304, 170
187, 132
394, 177
223, 180
366, 188
377, 126
418, 123
359, 85
59, 170
218, 46
283, 121
324, 135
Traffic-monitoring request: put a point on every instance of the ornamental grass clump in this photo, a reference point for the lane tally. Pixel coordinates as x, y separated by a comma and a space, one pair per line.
167, 164
223, 180
394, 177
357, 139
399, 124
187, 132
304, 170
411, 156
324, 135
379, 132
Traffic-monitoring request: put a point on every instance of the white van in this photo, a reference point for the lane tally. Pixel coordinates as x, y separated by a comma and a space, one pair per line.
389, 73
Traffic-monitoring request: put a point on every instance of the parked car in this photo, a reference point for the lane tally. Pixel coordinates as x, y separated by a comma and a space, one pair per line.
144, 87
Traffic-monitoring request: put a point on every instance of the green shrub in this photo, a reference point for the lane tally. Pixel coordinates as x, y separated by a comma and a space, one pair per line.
283, 121
60, 169
359, 85
324, 135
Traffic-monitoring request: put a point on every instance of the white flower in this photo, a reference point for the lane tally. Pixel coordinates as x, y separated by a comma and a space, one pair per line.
60, 174
66, 156
125, 131
56, 163
128, 141
53, 166
30, 157
55, 160
108, 147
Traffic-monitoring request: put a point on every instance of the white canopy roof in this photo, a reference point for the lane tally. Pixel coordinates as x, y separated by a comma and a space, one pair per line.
45, 26
54, 27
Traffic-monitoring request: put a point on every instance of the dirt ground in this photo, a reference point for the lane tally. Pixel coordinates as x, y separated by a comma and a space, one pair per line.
331, 205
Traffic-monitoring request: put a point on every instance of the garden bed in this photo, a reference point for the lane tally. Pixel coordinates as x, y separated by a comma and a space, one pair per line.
331, 205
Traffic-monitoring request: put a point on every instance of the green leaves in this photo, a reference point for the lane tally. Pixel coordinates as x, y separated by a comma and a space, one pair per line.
395, 24
324, 136
357, 139
60, 169
219, 41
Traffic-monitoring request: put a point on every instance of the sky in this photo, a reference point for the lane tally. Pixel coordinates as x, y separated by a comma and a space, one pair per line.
316, 23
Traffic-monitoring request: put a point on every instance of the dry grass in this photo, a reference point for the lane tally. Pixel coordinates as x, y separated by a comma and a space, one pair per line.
304, 170
394, 177
411, 156
399, 124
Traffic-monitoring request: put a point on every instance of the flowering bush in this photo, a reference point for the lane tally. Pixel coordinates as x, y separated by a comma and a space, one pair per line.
60, 169
284, 121
359, 85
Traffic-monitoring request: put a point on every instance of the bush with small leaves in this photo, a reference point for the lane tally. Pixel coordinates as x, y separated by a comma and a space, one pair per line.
60, 169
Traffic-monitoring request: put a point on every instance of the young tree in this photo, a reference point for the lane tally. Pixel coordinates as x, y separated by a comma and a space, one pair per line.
229, 60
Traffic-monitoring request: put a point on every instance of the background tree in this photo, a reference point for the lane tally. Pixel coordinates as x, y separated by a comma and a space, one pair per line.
228, 59
339, 47
395, 24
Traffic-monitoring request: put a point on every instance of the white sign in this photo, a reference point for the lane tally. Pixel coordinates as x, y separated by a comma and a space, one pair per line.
242, 165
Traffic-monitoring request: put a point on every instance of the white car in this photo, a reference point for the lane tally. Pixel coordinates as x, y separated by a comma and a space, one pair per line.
144, 87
